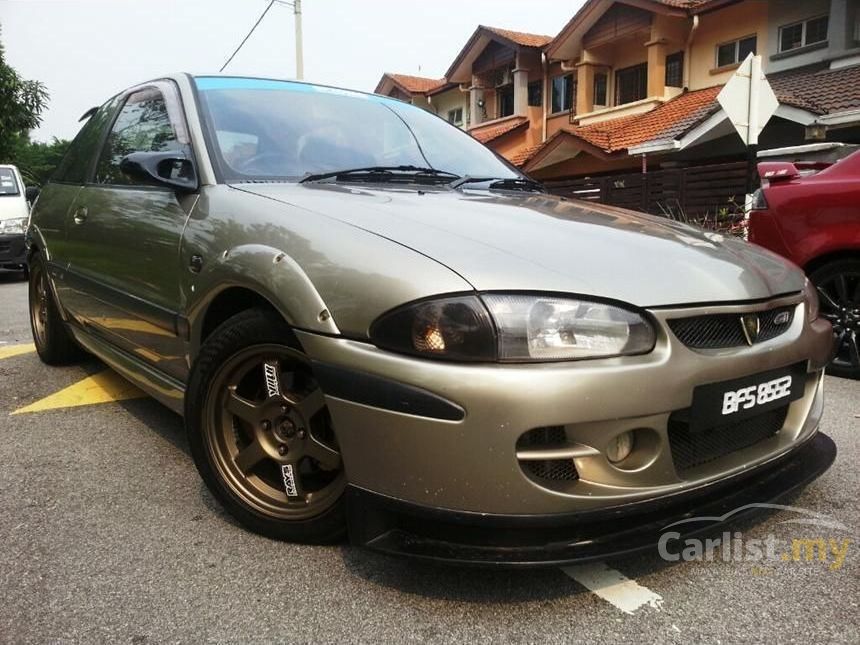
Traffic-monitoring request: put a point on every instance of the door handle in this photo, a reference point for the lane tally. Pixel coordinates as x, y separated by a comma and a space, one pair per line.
81, 215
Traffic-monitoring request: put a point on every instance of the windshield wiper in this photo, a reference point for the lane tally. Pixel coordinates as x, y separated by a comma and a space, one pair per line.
511, 183
375, 173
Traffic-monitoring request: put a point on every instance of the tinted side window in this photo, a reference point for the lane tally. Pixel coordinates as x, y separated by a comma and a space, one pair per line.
75, 165
142, 125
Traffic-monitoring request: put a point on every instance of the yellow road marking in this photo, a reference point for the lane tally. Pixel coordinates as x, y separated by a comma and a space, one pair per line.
8, 351
103, 387
125, 324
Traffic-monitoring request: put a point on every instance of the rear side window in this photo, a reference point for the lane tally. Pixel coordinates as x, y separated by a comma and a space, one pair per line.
75, 166
8, 183
143, 125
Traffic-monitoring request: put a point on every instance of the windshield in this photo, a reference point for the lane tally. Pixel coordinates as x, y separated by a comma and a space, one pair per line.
8, 183
264, 129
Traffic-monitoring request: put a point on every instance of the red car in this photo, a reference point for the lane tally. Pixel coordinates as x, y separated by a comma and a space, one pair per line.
811, 216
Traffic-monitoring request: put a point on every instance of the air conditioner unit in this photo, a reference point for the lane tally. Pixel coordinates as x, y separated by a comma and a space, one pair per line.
504, 77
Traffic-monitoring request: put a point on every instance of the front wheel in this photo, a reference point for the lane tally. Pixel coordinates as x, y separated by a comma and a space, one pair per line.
838, 285
260, 433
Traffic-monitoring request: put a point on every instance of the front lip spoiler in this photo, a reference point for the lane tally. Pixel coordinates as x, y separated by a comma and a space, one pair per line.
399, 528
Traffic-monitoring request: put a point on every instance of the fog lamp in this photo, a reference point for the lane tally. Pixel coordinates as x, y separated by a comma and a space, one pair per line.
620, 447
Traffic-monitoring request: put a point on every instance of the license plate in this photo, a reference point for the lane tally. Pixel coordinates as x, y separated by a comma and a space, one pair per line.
727, 402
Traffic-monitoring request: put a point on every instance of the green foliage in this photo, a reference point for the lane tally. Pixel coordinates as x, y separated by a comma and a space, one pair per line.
37, 161
21, 106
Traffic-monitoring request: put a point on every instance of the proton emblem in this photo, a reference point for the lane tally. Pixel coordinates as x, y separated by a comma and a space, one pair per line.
750, 325
781, 318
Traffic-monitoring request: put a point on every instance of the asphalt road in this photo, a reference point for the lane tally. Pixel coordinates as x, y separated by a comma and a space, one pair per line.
108, 535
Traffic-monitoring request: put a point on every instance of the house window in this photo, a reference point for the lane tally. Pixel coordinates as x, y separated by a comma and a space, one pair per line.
536, 93
563, 92
505, 100
855, 20
675, 70
801, 34
631, 84
455, 116
735, 51
601, 81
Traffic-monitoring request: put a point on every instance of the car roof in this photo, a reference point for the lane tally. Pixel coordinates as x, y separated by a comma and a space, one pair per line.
292, 81
846, 167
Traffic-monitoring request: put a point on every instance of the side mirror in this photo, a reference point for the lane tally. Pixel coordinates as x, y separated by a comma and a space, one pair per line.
172, 169
31, 193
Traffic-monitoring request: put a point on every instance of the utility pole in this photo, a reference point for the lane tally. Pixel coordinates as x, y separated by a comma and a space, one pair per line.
297, 11
300, 63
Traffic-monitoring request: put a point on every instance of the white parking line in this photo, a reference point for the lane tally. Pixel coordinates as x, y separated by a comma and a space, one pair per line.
614, 587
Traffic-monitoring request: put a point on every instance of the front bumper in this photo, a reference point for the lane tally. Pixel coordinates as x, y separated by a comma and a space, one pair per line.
403, 529
454, 446
13, 251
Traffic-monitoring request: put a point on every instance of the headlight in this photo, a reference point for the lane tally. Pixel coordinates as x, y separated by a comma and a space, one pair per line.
544, 328
457, 329
13, 226
813, 305
513, 328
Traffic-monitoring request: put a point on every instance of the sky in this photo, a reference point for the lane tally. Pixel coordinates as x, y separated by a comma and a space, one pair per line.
85, 51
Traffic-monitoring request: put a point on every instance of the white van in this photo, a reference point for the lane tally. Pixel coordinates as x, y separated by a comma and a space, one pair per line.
14, 213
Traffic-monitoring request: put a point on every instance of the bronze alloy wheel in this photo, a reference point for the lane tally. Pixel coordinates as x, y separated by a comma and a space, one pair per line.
39, 304
269, 434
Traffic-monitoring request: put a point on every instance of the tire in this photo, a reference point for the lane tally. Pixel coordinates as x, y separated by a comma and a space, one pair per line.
54, 343
838, 285
253, 411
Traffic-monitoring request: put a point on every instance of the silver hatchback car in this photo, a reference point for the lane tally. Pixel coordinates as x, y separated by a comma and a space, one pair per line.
373, 324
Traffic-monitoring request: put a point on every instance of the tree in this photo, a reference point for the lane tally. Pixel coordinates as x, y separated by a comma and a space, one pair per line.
21, 105
37, 161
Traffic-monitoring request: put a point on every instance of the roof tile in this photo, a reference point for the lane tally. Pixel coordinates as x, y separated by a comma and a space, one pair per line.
672, 118
519, 37
495, 130
666, 121
520, 157
814, 88
817, 89
416, 84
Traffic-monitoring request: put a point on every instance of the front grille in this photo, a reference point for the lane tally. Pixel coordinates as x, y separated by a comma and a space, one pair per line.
548, 437
720, 331
690, 450
546, 469
5, 246
552, 469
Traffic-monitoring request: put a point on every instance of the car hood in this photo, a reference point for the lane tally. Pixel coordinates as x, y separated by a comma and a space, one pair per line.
536, 242
13, 207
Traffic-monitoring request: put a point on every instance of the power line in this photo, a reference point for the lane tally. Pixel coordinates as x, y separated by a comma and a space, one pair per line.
245, 39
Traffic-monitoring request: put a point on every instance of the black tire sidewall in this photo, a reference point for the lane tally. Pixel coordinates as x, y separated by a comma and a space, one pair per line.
823, 274
252, 327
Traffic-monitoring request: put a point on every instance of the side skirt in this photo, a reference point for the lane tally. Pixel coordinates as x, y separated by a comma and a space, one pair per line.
162, 388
